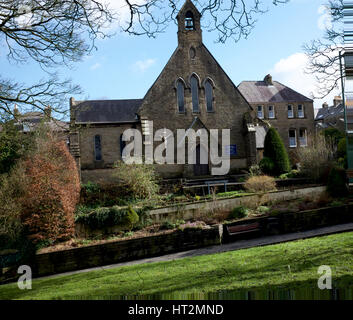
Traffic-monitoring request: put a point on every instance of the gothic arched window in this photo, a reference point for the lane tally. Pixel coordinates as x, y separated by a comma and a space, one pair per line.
209, 95
194, 81
189, 21
180, 95
97, 148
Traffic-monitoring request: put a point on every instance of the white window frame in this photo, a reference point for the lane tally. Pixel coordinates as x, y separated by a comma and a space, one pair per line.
295, 138
305, 137
271, 112
290, 113
301, 113
260, 112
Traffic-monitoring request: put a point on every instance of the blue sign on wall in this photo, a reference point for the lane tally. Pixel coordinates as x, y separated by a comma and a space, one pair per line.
231, 150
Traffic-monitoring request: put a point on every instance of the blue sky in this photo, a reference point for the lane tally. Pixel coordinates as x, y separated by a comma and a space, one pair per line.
125, 66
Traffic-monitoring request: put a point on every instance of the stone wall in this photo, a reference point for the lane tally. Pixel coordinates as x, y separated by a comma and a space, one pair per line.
193, 210
120, 251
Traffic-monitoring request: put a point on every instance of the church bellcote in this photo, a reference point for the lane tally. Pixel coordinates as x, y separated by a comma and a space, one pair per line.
189, 27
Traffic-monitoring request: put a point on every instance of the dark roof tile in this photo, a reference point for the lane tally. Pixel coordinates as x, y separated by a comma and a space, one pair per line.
107, 111
260, 91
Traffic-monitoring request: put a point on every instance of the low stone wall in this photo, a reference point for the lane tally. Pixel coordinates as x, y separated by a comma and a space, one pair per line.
127, 250
288, 222
120, 251
193, 210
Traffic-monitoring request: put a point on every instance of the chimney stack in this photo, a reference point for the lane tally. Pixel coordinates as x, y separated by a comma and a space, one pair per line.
337, 100
268, 80
16, 112
325, 105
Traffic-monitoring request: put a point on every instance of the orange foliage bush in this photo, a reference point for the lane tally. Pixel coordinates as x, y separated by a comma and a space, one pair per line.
52, 191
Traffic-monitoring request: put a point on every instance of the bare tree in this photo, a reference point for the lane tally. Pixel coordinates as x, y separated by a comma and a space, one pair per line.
323, 54
59, 32
231, 19
51, 33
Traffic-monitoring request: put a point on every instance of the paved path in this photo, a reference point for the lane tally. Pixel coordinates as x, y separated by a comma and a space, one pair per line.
241, 244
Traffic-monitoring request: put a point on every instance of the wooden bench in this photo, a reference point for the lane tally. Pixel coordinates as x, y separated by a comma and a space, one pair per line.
243, 228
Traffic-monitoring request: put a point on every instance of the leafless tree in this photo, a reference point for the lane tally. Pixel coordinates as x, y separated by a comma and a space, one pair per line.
323, 54
231, 19
59, 32
51, 33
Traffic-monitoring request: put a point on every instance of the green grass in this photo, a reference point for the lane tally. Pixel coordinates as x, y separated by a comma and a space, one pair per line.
282, 266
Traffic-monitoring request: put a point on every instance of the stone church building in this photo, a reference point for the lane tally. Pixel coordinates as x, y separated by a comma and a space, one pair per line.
192, 91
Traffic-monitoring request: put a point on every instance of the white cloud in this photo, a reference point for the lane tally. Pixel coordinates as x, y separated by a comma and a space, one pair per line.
291, 72
95, 66
143, 65
325, 20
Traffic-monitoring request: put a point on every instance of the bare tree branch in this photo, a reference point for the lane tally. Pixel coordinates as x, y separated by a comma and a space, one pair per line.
231, 19
323, 54
50, 33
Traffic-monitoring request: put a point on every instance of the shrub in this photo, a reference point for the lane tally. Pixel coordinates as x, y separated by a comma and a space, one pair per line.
238, 213
255, 170
131, 218
140, 179
275, 150
316, 160
337, 182
342, 153
260, 184
90, 187
52, 190
102, 217
12, 187
267, 165
263, 209
13, 145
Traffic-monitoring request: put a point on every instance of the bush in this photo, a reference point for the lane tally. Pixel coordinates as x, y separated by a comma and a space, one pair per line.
316, 160
337, 182
52, 190
99, 218
13, 145
139, 179
342, 153
274, 149
238, 213
267, 165
12, 188
260, 184
291, 174
255, 170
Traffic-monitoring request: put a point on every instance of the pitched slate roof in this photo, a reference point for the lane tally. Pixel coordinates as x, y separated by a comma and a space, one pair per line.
107, 111
261, 92
330, 112
29, 121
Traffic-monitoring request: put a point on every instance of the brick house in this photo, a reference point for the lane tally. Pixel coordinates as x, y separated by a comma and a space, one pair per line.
192, 91
288, 111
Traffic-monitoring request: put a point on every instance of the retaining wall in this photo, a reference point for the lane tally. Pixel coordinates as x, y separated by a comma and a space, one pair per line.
120, 251
193, 210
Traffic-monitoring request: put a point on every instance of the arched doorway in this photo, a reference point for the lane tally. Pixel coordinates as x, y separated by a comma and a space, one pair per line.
201, 169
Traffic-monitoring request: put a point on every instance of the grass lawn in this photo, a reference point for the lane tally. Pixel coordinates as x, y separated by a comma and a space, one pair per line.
282, 266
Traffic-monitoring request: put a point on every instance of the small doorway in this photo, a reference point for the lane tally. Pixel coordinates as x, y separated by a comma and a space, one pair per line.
200, 169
